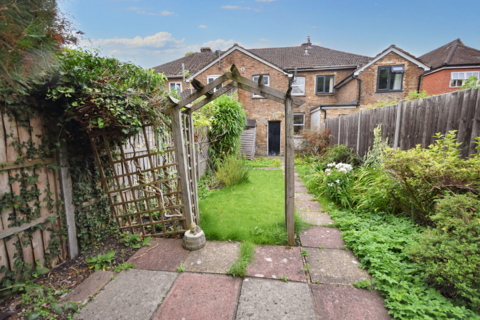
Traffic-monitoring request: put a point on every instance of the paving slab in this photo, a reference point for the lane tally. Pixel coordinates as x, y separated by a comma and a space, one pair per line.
336, 302
331, 266
278, 300
316, 218
274, 262
163, 254
200, 296
303, 196
133, 294
330, 238
89, 287
307, 205
215, 257
300, 188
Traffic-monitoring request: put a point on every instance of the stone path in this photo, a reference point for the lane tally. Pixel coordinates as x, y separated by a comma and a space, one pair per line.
309, 282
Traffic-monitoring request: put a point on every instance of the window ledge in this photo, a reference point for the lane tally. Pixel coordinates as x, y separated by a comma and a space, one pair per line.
325, 94
258, 97
388, 91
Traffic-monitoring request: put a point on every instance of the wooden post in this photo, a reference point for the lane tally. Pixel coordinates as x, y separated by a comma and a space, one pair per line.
194, 164
66, 188
289, 172
182, 169
339, 126
359, 130
397, 125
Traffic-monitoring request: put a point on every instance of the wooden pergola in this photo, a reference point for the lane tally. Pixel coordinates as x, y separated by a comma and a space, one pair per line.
234, 79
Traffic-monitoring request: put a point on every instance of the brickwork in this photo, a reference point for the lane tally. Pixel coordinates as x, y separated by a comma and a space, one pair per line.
439, 82
369, 79
347, 92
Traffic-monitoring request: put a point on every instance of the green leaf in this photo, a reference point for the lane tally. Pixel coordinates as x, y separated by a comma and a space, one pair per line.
57, 308
70, 305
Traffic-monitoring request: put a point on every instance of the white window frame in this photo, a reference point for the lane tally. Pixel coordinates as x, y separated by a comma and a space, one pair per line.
299, 86
213, 77
456, 73
265, 76
299, 125
175, 83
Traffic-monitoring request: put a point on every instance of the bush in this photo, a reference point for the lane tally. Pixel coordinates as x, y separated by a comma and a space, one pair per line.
449, 255
233, 170
314, 142
340, 154
423, 175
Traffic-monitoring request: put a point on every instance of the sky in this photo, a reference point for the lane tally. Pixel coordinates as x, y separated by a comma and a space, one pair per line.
150, 33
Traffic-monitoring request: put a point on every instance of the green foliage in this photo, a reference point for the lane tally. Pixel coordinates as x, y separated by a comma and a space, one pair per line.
423, 175
228, 123
102, 261
304, 253
135, 241
181, 268
376, 154
284, 278
415, 95
449, 255
471, 83
42, 304
381, 104
314, 141
364, 284
338, 154
307, 268
239, 268
233, 170
261, 162
123, 266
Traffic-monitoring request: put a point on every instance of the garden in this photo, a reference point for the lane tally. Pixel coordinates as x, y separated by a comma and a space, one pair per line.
411, 217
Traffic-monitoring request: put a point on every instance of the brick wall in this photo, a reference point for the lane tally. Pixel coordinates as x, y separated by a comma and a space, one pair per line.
369, 79
347, 92
439, 82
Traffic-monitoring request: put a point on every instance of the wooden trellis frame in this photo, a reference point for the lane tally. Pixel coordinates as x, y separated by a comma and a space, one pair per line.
173, 178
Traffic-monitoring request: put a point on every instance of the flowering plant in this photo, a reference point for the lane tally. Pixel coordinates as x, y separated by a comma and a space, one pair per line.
337, 182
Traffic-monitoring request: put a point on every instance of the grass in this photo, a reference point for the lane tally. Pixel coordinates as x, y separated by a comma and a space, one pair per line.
265, 162
252, 211
239, 268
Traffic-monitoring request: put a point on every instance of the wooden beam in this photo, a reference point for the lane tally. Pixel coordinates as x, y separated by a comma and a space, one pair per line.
11, 231
26, 164
199, 86
260, 80
289, 173
217, 94
209, 87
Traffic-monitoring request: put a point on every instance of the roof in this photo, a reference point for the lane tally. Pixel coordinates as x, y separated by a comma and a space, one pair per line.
453, 53
282, 57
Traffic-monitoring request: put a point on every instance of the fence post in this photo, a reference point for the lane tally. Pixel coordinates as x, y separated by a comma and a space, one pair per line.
289, 172
358, 132
398, 121
339, 129
67, 192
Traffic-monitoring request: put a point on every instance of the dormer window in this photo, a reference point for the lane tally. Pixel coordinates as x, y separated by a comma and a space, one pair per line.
390, 78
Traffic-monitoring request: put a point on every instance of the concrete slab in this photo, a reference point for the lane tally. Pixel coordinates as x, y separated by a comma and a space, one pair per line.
272, 168
300, 188
307, 205
330, 266
316, 218
89, 287
163, 254
268, 299
330, 238
215, 257
334, 303
274, 262
303, 196
201, 296
133, 294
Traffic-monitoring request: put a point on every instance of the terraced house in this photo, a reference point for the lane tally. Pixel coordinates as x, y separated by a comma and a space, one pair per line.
331, 82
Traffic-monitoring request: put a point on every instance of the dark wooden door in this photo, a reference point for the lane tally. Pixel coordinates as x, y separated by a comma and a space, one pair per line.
274, 138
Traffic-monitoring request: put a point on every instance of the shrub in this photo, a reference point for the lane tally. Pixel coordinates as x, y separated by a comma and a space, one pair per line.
375, 155
423, 175
449, 255
314, 142
233, 170
340, 154
415, 95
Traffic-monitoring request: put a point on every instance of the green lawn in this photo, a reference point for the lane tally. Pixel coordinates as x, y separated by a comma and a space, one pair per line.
251, 211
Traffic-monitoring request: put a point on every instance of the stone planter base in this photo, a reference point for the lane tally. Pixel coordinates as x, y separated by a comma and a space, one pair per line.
194, 242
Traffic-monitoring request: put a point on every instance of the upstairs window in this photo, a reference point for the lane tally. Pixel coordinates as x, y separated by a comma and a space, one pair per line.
266, 82
298, 86
298, 122
176, 86
390, 78
457, 79
211, 79
325, 84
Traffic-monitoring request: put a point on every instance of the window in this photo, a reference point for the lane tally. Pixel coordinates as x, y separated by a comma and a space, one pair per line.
390, 78
298, 86
298, 122
211, 78
325, 84
458, 78
176, 86
266, 82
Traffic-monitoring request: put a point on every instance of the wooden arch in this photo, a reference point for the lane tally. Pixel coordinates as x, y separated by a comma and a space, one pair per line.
185, 163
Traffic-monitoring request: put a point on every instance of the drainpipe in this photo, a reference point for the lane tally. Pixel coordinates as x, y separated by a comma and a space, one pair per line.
359, 89
420, 77
325, 114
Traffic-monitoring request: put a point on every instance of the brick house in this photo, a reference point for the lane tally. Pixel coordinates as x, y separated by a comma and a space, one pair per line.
451, 65
331, 82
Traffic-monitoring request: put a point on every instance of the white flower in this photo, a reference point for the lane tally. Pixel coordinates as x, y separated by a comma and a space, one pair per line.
327, 170
338, 181
330, 184
328, 173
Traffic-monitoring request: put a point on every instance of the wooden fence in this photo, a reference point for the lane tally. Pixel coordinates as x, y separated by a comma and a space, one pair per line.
18, 220
410, 123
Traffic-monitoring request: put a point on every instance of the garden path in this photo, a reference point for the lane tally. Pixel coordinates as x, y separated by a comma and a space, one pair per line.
312, 281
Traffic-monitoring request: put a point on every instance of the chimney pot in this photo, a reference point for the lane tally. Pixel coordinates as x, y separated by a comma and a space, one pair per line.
205, 49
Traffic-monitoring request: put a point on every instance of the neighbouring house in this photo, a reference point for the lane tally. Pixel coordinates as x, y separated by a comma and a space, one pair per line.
451, 65
331, 82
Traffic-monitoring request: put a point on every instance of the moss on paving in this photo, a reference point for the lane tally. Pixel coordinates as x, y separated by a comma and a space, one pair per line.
251, 211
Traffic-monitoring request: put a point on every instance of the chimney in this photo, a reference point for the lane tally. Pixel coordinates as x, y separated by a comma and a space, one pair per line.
205, 49
308, 41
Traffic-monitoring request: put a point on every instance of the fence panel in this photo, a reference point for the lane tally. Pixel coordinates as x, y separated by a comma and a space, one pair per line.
412, 123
